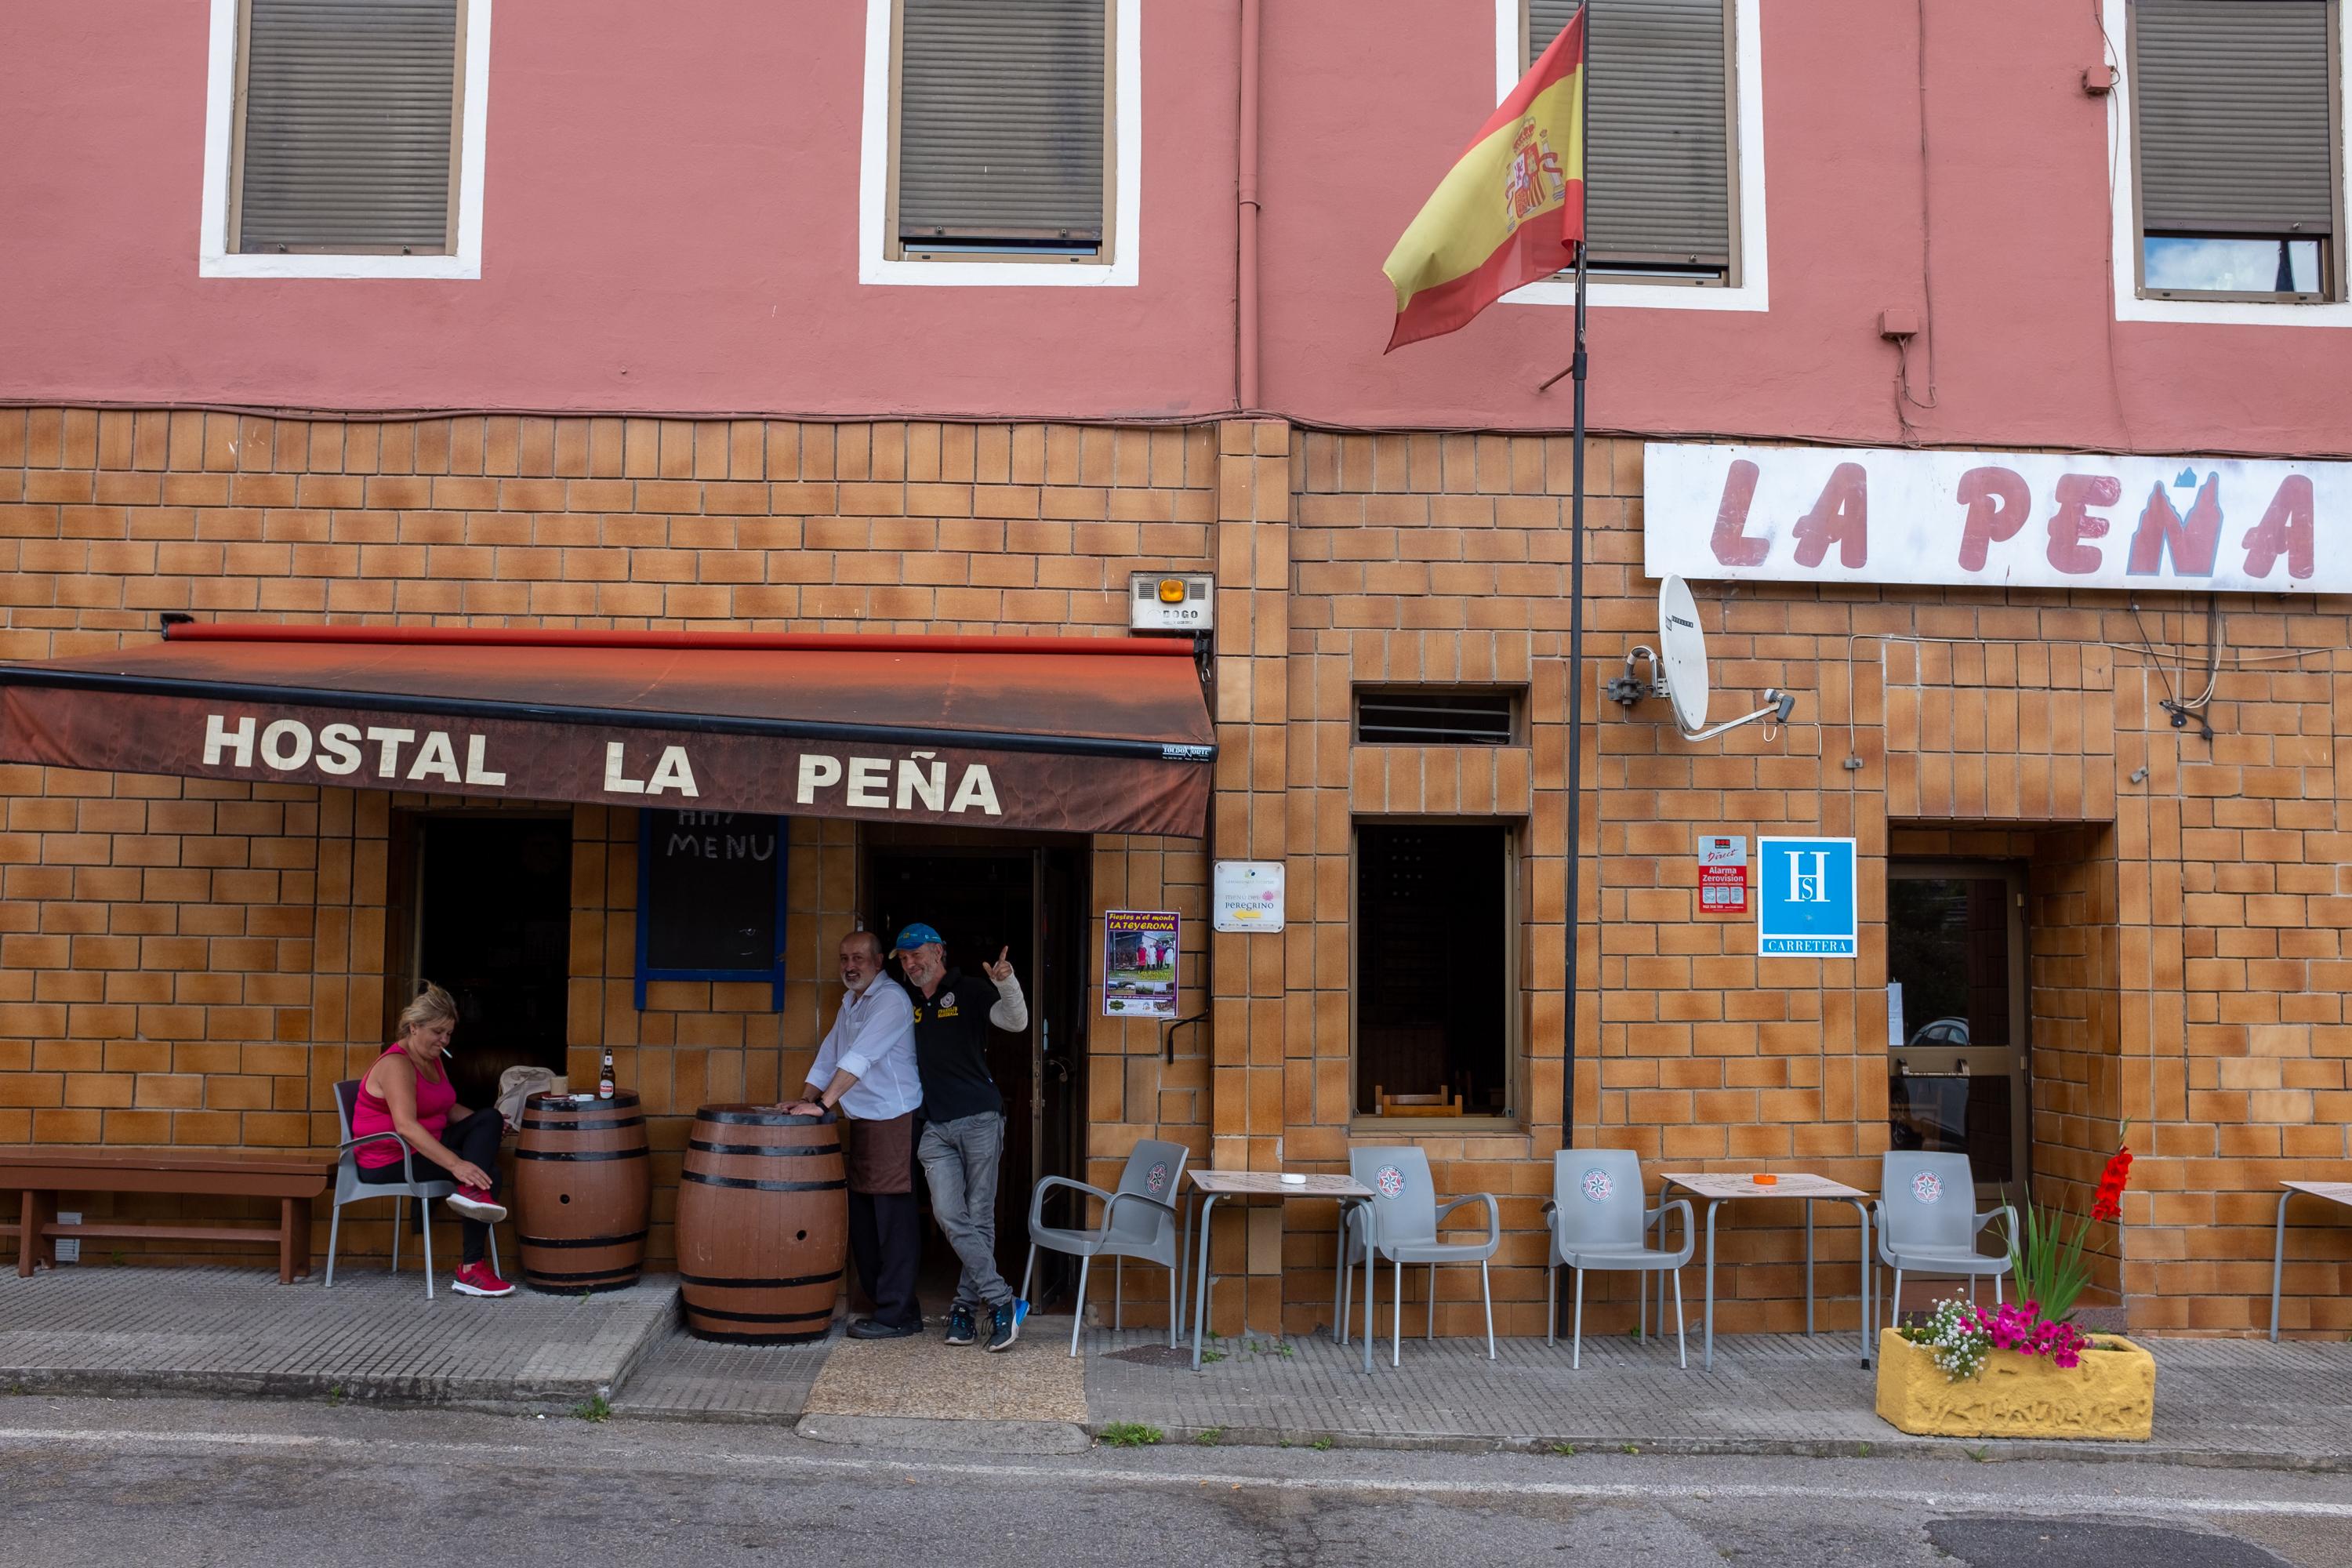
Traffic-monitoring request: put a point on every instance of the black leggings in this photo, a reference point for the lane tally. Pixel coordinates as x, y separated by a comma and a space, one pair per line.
475, 1139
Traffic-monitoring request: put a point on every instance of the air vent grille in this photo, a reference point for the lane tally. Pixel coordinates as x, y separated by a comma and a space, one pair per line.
1435, 716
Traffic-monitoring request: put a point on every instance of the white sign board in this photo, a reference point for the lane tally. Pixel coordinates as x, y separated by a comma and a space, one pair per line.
2038, 520
1246, 895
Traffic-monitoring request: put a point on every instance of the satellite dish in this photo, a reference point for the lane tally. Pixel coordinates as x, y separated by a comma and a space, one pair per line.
1681, 651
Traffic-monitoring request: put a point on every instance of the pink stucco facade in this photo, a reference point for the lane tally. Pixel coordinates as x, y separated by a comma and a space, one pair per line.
671, 225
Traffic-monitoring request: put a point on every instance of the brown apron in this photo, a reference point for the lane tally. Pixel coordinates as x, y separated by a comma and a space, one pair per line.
881, 1155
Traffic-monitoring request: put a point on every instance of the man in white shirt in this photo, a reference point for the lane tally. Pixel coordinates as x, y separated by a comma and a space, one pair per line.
866, 1067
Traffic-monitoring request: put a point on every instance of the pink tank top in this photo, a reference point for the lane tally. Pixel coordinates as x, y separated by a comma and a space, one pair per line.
435, 1097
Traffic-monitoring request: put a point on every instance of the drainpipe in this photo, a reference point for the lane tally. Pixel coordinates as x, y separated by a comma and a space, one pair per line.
1246, 389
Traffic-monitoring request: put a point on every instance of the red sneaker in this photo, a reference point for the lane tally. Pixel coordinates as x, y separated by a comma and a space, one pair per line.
475, 1280
473, 1203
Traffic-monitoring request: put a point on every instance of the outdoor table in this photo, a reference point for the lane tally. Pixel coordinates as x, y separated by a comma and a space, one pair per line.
1720, 1188
2335, 1193
1208, 1186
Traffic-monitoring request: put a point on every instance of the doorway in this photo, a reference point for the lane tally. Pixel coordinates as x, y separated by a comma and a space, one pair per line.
487, 917
1956, 1012
1031, 903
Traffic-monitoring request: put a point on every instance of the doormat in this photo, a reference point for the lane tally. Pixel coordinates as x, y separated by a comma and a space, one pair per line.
925, 1377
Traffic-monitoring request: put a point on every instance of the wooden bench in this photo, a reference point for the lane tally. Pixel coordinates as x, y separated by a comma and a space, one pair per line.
41, 1174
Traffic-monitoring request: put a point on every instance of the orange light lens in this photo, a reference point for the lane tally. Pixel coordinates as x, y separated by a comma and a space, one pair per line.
1171, 590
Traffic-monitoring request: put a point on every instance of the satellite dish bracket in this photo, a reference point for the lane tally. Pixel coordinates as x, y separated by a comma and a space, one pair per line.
1778, 705
1629, 689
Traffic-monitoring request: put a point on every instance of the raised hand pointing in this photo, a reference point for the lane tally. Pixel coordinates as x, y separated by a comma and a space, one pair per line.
1002, 970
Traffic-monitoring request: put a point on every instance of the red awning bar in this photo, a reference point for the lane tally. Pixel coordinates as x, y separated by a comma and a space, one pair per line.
1087, 734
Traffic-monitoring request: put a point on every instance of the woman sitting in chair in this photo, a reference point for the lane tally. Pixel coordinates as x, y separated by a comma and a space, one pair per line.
408, 1091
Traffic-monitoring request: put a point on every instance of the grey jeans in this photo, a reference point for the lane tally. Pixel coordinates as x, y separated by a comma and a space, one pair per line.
959, 1160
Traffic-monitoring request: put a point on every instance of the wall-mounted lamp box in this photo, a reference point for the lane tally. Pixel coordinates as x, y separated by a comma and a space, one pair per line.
1172, 601
1898, 323
2098, 80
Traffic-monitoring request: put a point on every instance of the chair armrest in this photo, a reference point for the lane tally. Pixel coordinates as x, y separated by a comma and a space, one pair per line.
2007, 1214
1690, 1224
1038, 1198
1494, 1214
408, 1154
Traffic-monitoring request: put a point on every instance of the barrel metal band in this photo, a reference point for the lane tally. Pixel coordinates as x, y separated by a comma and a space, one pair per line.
825, 1315
749, 1284
624, 1236
757, 1119
580, 1153
594, 1276
701, 1146
698, 1177
540, 1124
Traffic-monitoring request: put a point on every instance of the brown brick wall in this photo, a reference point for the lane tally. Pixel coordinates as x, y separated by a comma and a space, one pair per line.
188, 961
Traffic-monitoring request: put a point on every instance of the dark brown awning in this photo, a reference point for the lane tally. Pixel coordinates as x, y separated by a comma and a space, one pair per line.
1073, 734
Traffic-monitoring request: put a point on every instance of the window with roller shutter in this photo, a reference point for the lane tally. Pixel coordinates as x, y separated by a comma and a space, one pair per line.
347, 127
1660, 163
2236, 115
1001, 144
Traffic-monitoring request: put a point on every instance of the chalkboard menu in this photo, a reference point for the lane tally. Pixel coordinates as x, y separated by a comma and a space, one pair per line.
710, 898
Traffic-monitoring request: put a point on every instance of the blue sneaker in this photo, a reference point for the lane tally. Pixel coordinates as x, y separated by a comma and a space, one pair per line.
1004, 1325
961, 1330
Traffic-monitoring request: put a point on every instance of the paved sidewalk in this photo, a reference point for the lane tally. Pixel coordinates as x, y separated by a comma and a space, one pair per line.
373, 1336
2241, 1402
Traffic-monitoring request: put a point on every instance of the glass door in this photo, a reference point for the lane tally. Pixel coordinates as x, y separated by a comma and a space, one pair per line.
1956, 1013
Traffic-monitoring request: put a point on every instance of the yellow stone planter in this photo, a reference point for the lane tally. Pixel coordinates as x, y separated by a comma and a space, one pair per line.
2112, 1393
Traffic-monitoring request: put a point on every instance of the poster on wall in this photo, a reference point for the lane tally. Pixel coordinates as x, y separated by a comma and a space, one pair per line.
1722, 874
1139, 963
1805, 903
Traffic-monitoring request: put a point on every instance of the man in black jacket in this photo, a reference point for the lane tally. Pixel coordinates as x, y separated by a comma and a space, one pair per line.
963, 1114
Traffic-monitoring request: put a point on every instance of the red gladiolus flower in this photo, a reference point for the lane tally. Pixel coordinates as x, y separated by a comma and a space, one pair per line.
2108, 1203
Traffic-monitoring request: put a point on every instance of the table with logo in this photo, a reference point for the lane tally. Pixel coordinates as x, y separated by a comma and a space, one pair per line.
1208, 1186
1717, 1188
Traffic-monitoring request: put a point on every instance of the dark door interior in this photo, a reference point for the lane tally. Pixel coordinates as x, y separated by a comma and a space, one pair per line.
493, 927
1957, 1015
1027, 903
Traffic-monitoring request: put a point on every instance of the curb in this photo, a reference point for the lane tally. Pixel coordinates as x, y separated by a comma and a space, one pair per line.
490, 1396
920, 1432
1894, 1447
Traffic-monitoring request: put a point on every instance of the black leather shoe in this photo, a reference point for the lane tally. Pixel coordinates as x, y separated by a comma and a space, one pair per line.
870, 1329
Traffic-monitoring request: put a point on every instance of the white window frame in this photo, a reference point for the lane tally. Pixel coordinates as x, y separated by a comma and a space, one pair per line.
873, 262
2123, 206
1753, 293
213, 257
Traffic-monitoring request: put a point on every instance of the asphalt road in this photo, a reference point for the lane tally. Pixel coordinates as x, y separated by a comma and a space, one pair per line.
163, 1483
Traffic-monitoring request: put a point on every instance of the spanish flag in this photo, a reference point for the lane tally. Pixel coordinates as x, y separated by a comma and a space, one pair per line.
1489, 227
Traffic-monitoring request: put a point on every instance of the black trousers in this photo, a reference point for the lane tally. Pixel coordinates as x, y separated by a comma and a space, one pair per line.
886, 1243
475, 1139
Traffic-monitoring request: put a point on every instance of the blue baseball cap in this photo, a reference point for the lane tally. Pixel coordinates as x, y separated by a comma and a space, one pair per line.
918, 935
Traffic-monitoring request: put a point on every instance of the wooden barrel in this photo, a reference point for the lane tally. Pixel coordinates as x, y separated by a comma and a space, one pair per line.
763, 1224
583, 1189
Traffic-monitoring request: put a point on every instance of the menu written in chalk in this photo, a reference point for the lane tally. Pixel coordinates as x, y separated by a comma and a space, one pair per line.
710, 898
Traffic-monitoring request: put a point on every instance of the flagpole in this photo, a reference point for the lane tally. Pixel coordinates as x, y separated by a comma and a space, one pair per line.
1576, 614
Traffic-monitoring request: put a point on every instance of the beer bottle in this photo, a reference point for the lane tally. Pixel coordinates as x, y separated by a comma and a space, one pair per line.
605, 1077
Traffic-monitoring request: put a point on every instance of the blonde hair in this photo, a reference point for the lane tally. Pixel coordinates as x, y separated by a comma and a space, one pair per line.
431, 1005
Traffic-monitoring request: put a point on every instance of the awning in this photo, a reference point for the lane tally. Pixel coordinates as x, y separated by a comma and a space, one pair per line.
1073, 734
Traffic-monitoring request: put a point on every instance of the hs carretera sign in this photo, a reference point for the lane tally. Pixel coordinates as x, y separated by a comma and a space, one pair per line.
2035, 519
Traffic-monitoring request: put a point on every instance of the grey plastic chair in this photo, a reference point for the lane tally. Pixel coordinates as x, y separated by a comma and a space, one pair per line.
349, 1189
1597, 1221
1928, 1224
1139, 1221
1404, 1219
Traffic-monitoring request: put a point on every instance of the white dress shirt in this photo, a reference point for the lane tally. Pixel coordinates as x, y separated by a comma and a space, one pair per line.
873, 1040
